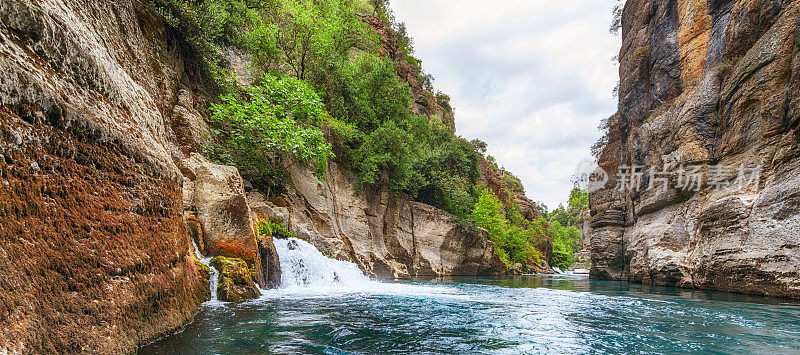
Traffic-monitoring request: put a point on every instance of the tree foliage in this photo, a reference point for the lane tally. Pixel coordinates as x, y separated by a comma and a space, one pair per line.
267, 127
513, 243
566, 241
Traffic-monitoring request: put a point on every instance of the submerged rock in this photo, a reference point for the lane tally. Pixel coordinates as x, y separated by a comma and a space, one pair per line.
270, 265
235, 280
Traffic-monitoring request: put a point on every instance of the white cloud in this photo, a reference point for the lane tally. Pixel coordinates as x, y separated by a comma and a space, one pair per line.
532, 78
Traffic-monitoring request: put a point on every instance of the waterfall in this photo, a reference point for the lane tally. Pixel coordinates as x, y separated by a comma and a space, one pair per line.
557, 270
214, 279
305, 267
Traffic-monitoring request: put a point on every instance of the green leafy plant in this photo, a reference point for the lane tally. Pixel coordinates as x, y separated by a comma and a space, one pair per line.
566, 241
270, 126
512, 243
267, 227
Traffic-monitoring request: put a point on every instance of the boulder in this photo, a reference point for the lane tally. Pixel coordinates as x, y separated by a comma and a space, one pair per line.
217, 196
235, 280
270, 271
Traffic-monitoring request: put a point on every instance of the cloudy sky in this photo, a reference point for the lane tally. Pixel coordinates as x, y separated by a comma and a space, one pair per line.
532, 78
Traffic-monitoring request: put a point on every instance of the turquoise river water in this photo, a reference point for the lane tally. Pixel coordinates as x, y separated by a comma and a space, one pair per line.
328, 307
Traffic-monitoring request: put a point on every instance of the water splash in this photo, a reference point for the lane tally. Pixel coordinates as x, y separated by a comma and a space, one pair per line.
214, 279
306, 272
303, 266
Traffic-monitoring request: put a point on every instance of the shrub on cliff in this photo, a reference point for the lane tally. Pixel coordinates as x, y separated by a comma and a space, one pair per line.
271, 125
267, 227
377, 138
367, 92
301, 36
512, 243
566, 241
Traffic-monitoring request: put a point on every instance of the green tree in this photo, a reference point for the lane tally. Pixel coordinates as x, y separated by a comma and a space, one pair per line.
513, 244
566, 241
367, 92
271, 125
479, 146
314, 32
578, 202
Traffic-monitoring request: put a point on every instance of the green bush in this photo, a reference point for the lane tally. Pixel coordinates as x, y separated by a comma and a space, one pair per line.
367, 92
272, 228
512, 243
578, 202
210, 25
511, 182
302, 36
272, 125
566, 241
386, 156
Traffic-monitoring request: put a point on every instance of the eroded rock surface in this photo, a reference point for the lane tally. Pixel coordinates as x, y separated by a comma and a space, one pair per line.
94, 252
217, 197
387, 235
705, 83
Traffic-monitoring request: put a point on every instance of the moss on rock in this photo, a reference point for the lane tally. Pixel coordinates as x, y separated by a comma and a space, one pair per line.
235, 280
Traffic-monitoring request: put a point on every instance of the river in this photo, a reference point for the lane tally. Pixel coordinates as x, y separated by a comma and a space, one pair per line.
328, 306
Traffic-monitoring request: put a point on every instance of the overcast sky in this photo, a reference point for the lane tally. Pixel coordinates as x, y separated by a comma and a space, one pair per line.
532, 78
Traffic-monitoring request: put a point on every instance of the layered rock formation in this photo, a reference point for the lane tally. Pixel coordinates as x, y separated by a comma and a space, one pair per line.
712, 86
387, 235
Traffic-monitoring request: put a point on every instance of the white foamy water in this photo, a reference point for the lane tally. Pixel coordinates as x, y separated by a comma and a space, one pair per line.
303, 266
306, 272
214, 279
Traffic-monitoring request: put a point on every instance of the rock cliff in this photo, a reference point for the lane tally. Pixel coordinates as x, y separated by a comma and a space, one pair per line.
387, 235
709, 87
94, 250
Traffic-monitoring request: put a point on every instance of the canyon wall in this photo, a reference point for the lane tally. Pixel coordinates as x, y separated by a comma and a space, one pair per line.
94, 252
710, 87
386, 234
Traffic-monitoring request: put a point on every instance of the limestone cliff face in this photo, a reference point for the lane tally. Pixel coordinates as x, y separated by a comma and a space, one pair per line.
387, 235
94, 252
706, 84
